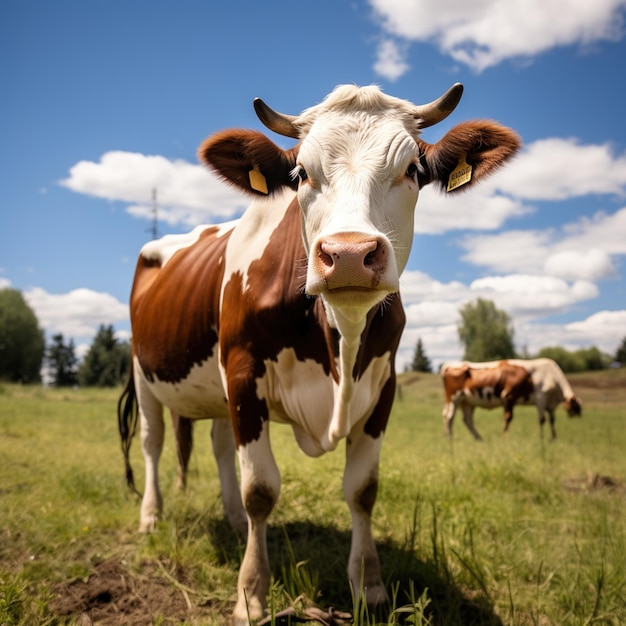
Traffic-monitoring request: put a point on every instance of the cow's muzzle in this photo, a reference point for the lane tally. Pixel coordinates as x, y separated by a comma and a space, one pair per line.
352, 262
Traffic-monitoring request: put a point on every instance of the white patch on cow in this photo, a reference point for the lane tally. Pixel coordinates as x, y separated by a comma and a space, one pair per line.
162, 250
300, 394
199, 395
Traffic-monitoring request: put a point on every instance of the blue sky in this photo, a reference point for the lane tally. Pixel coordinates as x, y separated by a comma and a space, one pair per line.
104, 101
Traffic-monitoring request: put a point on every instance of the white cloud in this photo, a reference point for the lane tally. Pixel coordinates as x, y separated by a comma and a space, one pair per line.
391, 59
481, 208
5, 283
578, 250
524, 295
186, 193
483, 33
604, 330
557, 169
602, 230
592, 264
76, 314
511, 251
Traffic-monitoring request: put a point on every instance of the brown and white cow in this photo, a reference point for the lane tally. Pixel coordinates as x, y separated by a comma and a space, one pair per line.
501, 384
292, 313
550, 387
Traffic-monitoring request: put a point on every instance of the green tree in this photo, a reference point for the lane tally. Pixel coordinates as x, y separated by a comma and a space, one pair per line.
22, 342
420, 363
567, 361
485, 331
107, 361
620, 354
583, 360
62, 362
593, 358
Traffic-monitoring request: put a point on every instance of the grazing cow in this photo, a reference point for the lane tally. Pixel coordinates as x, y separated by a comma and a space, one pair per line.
292, 313
489, 387
550, 388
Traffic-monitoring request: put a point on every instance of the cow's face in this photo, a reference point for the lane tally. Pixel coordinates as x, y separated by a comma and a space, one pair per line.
357, 189
573, 406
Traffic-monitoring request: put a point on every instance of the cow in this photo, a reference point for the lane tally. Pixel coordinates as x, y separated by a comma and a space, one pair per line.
550, 388
292, 313
502, 384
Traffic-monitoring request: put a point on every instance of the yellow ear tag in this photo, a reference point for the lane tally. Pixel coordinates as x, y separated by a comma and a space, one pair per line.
460, 175
257, 180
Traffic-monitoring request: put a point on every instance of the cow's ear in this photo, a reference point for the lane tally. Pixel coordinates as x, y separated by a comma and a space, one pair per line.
468, 153
248, 160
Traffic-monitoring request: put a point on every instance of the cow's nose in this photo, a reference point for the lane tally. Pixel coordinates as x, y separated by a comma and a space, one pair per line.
350, 262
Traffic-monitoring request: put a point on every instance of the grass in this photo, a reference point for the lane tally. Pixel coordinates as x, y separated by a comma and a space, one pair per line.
514, 530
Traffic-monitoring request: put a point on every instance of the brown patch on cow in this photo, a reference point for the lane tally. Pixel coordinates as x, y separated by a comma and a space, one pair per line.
366, 498
259, 502
113, 595
187, 334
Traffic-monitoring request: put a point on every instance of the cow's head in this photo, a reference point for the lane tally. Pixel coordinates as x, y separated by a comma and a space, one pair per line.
574, 407
357, 169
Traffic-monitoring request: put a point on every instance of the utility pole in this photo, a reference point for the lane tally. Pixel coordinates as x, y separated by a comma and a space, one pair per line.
154, 229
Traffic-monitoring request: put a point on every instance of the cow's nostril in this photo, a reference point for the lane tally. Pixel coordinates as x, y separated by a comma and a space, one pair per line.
325, 258
370, 257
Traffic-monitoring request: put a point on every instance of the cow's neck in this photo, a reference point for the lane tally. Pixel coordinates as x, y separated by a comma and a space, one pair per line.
350, 327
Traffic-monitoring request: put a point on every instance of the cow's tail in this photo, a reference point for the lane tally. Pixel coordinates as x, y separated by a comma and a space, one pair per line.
127, 414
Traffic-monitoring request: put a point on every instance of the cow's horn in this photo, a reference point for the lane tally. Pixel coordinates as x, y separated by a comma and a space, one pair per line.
437, 110
278, 122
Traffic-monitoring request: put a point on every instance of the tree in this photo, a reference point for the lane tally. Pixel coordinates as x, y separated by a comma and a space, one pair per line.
583, 360
568, 361
620, 355
420, 363
485, 331
593, 358
22, 342
107, 361
62, 362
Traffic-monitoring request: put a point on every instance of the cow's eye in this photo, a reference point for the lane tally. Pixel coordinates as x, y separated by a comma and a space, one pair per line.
301, 173
411, 171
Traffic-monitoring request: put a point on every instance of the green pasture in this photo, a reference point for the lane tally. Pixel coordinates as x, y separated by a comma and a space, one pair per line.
514, 530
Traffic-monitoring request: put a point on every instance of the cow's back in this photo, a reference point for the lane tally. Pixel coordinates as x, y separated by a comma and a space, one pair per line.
175, 304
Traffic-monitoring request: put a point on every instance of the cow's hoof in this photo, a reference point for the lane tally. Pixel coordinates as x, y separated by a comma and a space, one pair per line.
376, 595
148, 524
247, 613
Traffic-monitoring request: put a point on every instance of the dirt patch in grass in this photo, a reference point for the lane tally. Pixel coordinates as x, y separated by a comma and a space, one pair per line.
595, 483
112, 595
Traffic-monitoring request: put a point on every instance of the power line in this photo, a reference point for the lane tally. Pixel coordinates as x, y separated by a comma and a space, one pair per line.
154, 228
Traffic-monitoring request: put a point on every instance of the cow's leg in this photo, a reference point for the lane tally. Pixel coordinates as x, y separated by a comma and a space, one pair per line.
552, 420
508, 413
225, 451
183, 434
152, 430
260, 487
468, 418
360, 486
541, 416
449, 409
